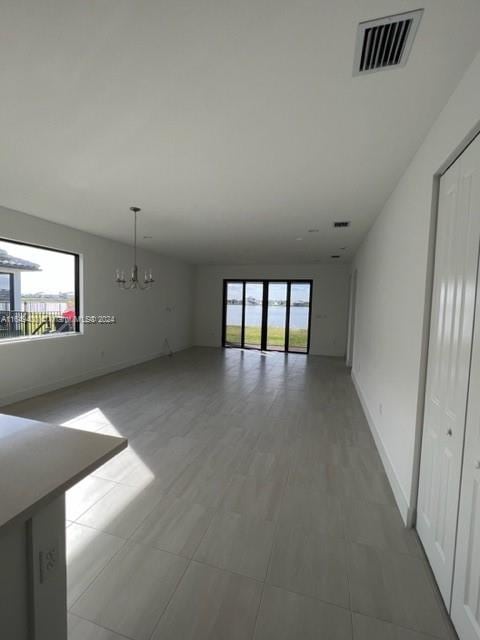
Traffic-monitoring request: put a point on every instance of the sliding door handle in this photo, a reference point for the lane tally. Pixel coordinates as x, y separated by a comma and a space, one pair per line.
449, 432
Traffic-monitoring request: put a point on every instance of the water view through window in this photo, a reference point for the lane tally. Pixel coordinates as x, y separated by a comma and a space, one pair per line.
268, 315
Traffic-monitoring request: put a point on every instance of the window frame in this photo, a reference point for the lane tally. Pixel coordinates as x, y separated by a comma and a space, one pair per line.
76, 328
265, 282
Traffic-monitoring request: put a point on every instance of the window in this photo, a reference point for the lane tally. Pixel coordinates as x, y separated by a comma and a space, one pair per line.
38, 291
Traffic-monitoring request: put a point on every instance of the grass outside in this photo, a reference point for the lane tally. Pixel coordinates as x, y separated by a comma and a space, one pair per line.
275, 336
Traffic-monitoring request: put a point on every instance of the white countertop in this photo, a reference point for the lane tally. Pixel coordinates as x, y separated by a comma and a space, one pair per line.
40, 461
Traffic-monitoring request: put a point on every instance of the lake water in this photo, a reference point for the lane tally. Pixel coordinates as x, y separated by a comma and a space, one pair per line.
276, 316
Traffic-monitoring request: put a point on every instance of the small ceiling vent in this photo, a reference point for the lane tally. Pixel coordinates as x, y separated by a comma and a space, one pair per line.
385, 42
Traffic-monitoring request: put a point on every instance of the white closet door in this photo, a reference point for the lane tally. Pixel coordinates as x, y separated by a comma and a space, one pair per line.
466, 586
448, 364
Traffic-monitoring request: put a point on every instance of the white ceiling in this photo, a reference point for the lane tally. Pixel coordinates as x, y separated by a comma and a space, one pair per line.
235, 124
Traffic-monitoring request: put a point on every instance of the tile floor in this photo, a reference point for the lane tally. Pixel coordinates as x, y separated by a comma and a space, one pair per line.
250, 504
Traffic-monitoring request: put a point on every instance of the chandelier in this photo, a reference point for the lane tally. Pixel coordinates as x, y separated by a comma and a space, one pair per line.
133, 282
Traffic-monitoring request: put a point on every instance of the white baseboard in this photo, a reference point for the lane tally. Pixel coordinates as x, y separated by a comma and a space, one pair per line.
404, 507
38, 390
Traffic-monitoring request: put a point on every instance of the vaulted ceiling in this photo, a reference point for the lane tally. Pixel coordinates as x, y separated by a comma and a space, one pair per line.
237, 126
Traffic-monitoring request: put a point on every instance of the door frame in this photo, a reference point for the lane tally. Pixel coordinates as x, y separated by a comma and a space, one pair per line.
263, 340
427, 314
10, 275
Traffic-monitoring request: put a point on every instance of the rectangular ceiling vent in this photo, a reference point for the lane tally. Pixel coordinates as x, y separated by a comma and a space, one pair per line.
385, 42
342, 223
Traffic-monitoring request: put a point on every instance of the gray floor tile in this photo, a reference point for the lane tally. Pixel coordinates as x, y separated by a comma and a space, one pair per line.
211, 604
290, 616
241, 544
130, 595
307, 563
122, 509
88, 551
365, 628
127, 468
85, 494
80, 629
176, 525
357, 457
320, 476
395, 588
379, 525
312, 509
254, 496
201, 484
368, 485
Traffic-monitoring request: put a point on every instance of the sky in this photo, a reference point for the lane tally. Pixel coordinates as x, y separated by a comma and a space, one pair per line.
278, 291
57, 269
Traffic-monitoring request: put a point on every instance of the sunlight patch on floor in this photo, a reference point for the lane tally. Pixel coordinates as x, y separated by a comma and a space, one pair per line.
113, 478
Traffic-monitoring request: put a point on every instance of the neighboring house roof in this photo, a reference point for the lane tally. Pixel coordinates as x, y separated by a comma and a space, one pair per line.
10, 262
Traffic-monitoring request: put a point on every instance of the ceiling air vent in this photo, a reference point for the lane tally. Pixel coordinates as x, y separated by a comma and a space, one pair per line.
342, 223
385, 42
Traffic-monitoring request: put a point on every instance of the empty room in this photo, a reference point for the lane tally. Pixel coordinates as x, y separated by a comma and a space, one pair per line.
240, 320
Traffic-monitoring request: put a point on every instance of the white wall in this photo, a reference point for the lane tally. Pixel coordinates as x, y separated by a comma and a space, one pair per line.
143, 322
329, 304
392, 289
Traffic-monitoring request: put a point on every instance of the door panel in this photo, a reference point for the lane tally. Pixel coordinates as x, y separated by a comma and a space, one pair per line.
233, 314
466, 587
253, 315
277, 316
448, 365
299, 317
436, 447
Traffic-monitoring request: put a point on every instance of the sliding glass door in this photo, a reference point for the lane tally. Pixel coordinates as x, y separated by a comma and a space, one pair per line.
253, 315
234, 296
277, 316
271, 315
299, 317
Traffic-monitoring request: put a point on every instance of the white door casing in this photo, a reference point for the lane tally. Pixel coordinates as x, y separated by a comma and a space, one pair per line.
453, 305
351, 318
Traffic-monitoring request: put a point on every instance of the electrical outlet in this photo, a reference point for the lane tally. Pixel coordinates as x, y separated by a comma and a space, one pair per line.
48, 563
